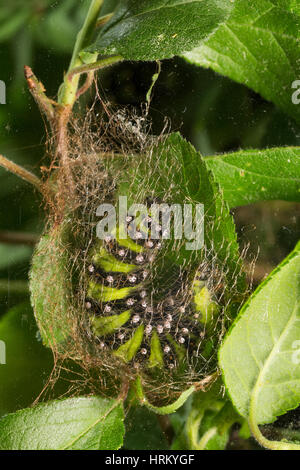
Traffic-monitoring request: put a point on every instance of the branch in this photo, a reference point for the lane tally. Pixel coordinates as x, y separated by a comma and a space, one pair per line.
21, 172
18, 238
37, 90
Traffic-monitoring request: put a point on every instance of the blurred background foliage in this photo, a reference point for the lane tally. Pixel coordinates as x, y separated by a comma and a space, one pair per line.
214, 113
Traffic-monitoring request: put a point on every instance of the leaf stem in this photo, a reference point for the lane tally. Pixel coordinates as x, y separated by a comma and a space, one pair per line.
206, 438
263, 441
67, 94
100, 64
88, 82
192, 428
21, 172
81, 62
163, 410
154, 80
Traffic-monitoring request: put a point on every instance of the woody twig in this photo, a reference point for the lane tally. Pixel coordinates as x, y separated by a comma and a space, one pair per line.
37, 89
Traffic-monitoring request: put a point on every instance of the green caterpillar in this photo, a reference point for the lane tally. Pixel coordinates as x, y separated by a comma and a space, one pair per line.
125, 316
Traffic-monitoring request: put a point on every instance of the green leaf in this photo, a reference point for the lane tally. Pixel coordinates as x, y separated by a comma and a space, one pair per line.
260, 355
256, 175
259, 47
27, 364
156, 29
84, 423
51, 299
189, 180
